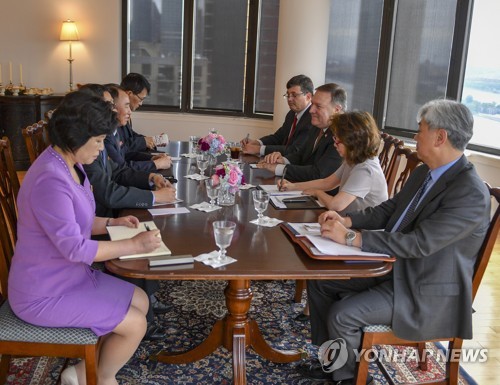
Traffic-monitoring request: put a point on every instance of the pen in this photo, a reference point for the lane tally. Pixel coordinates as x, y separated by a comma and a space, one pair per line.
282, 179
170, 179
147, 227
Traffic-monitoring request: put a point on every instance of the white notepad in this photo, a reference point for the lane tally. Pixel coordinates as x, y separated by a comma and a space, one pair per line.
117, 233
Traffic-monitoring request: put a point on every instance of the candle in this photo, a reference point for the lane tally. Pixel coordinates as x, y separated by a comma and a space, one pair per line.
10, 71
21, 73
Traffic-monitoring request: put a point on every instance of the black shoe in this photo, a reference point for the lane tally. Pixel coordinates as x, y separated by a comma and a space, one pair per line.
155, 333
160, 307
302, 317
314, 371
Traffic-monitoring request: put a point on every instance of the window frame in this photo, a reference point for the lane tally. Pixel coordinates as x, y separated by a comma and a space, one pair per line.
187, 60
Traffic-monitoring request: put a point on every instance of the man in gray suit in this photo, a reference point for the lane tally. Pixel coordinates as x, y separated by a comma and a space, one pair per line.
434, 227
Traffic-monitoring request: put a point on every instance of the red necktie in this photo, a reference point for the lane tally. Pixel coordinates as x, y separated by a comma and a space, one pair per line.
292, 130
318, 138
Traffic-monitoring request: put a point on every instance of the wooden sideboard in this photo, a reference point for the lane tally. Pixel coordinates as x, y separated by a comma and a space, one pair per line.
17, 112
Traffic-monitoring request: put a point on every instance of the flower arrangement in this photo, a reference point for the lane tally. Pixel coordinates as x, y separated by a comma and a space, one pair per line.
213, 143
229, 174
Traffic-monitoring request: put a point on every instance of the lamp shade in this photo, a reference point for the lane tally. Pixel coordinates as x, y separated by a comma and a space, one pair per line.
69, 32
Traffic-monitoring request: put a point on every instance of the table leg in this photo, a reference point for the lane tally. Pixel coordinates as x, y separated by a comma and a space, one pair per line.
235, 332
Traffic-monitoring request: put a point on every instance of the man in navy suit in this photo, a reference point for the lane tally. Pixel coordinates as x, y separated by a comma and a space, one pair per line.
434, 227
317, 157
297, 124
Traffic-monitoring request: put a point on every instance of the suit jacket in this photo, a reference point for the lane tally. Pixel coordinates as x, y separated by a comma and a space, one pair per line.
432, 276
117, 151
116, 187
133, 141
278, 140
311, 162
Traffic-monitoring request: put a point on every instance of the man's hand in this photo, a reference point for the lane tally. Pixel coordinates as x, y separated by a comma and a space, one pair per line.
150, 143
334, 216
165, 195
163, 162
246, 141
267, 166
285, 185
334, 230
274, 157
250, 148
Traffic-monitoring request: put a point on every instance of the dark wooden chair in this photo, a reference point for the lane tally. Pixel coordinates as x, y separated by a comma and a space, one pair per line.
9, 188
410, 160
389, 144
35, 137
18, 338
383, 335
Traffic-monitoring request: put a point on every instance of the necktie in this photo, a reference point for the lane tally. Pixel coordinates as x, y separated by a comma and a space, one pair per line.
292, 130
318, 138
413, 205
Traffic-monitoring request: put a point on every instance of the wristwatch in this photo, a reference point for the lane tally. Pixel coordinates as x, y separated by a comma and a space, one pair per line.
350, 236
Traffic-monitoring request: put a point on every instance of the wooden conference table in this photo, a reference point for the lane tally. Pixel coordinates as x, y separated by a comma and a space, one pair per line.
262, 253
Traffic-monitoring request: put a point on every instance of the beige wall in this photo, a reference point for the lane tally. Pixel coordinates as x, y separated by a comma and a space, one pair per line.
29, 34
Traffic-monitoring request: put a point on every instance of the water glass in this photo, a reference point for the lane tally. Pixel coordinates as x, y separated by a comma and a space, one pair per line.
223, 234
260, 202
202, 162
193, 143
212, 190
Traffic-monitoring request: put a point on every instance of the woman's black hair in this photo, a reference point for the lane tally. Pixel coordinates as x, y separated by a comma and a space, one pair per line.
79, 117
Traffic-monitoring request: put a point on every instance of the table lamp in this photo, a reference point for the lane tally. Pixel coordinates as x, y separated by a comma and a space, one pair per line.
69, 33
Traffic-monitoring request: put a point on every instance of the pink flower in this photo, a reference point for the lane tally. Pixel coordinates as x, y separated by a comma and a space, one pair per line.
216, 179
233, 177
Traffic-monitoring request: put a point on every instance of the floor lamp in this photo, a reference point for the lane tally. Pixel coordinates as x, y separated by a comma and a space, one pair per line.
69, 33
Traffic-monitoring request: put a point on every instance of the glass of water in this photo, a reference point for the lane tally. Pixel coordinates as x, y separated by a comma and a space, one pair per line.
260, 202
193, 141
223, 233
212, 190
202, 162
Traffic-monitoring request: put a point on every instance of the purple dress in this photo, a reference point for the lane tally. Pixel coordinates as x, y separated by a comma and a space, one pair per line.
51, 282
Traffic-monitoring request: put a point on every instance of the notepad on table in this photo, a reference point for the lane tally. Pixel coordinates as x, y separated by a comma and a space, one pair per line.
118, 233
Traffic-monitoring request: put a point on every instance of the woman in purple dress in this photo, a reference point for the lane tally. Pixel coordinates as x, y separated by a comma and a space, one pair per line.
51, 282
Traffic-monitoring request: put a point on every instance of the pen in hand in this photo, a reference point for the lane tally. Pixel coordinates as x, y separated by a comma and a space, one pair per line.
147, 227
282, 179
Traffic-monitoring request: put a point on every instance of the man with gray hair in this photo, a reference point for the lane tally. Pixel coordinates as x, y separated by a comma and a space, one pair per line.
434, 227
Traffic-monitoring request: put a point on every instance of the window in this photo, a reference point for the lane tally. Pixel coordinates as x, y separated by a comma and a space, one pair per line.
205, 55
353, 49
481, 90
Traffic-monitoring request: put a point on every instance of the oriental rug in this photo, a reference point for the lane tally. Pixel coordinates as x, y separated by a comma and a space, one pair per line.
195, 306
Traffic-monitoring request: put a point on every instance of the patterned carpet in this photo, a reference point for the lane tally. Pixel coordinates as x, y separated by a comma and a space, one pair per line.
196, 305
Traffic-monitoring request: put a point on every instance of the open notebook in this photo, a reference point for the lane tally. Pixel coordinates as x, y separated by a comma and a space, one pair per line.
117, 233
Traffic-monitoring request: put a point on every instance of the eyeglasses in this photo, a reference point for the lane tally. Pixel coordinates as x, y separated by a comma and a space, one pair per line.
140, 98
293, 96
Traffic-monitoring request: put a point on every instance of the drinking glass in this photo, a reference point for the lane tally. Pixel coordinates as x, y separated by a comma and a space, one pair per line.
212, 190
235, 150
202, 162
223, 233
193, 141
260, 202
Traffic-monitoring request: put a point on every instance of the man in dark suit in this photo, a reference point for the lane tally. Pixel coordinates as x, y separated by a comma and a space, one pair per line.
434, 227
115, 145
317, 157
297, 124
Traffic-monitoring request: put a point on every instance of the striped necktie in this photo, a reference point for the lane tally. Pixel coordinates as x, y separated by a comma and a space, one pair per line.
292, 130
414, 203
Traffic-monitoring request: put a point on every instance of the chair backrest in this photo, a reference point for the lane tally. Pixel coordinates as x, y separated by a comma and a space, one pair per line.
389, 144
9, 187
486, 249
36, 139
411, 160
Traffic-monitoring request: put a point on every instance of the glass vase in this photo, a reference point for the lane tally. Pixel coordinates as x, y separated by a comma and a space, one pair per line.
227, 195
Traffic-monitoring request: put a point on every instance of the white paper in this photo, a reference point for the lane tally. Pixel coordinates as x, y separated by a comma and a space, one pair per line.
267, 222
329, 247
205, 206
209, 259
117, 233
169, 210
246, 186
196, 176
272, 189
177, 200
303, 229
